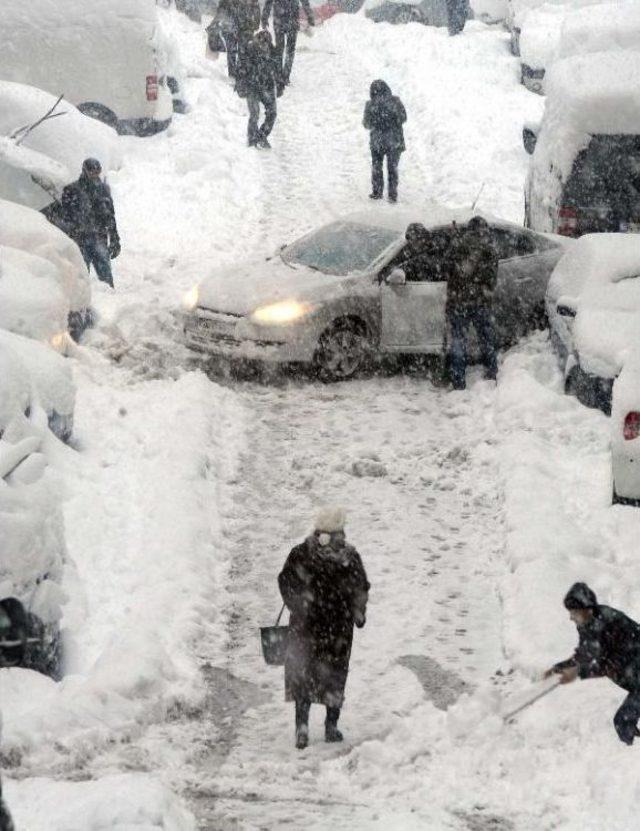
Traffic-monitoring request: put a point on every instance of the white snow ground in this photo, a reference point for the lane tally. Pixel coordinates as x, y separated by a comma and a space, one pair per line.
473, 511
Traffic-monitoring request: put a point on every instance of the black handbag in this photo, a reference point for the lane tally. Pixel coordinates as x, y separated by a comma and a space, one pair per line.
215, 40
274, 642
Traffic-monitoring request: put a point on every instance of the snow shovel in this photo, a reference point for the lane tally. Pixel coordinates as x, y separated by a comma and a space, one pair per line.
509, 716
274, 642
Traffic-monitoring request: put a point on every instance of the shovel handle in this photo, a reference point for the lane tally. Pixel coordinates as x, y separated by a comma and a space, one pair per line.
531, 701
280, 615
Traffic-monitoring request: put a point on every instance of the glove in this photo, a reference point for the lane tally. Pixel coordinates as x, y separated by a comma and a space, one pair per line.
359, 619
114, 247
279, 88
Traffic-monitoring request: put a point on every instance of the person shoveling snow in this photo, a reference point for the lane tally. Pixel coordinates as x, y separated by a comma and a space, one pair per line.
609, 645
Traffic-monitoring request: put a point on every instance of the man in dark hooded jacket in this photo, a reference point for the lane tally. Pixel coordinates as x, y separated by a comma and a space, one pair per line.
472, 273
236, 21
90, 220
325, 587
608, 645
286, 25
384, 115
259, 81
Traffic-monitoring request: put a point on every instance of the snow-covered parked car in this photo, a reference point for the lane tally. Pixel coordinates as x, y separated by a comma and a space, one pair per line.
340, 293
28, 230
106, 57
625, 433
593, 307
51, 380
584, 174
31, 529
516, 12
427, 12
67, 137
604, 27
539, 38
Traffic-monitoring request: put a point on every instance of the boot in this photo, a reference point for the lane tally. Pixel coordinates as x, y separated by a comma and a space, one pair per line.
331, 732
302, 724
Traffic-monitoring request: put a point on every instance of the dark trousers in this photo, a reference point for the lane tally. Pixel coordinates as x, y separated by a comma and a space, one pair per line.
457, 15
458, 323
377, 174
231, 42
267, 98
96, 254
626, 719
302, 714
286, 35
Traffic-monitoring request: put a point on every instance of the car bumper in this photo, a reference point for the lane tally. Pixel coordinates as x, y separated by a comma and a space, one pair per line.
235, 337
625, 457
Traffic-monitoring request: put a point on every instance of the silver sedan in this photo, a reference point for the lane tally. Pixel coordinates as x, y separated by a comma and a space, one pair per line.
343, 293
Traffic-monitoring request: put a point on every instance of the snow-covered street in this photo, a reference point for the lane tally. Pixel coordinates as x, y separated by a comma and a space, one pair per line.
473, 510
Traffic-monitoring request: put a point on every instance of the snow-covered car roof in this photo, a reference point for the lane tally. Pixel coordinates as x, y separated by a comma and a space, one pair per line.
600, 278
47, 373
32, 300
28, 176
541, 30
432, 214
61, 143
605, 27
28, 230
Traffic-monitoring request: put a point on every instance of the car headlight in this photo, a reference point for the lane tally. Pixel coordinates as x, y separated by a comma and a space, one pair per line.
286, 311
190, 300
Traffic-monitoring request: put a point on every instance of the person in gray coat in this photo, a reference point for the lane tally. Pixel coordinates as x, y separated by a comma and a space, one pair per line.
384, 115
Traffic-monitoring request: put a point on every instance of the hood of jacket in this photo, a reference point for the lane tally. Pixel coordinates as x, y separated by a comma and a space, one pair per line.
379, 89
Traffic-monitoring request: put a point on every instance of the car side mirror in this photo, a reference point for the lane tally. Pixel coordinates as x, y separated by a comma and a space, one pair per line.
565, 311
396, 277
529, 139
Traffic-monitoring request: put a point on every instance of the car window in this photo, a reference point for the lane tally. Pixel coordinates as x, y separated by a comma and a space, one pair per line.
607, 174
428, 267
340, 248
512, 242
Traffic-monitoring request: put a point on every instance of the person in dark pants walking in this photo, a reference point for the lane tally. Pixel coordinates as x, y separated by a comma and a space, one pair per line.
259, 81
472, 267
89, 219
384, 115
457, 14
325, 587
608, 646
286, 25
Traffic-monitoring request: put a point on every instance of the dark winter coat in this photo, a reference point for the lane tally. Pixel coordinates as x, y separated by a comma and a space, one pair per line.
608, 645
384, 115
240, 17
88, 210
326, 592
472, 272
258, 71
286, 13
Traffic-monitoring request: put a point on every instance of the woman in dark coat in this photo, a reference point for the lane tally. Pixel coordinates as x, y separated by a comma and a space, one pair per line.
325, 587
258, 80
384, 115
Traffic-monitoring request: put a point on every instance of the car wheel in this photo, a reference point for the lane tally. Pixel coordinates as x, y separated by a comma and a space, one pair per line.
343, 350
100, 113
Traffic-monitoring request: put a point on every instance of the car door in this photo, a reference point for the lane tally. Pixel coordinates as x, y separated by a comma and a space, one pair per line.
412, 313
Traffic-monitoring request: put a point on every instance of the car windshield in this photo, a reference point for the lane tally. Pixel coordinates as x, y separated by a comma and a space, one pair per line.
607, 174
340, 248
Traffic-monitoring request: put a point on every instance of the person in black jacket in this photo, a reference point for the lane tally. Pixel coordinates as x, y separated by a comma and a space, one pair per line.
472, 273
384, 115
259, 81
325, 587
286, 25
89, 219
235, 21
608, 645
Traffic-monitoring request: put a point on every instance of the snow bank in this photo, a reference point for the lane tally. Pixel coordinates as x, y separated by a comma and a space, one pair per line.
541, 29
28, 230
117, 802
31, 300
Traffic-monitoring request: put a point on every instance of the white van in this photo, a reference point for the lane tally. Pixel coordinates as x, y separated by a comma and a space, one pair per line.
584, 174
104, 56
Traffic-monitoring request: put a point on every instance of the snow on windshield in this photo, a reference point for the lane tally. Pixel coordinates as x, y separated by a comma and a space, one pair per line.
340, 248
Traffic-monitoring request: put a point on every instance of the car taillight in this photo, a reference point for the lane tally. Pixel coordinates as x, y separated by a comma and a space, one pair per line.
152, 87
567, 221
631, 429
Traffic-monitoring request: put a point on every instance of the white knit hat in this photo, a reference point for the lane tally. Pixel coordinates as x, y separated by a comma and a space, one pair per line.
331, 518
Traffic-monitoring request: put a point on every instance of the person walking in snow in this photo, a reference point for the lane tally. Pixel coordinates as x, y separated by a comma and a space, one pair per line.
286, 25
90, 220
472, 268
457, 14
235, 21
325, 587
259, 82
384, 115
608, 645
